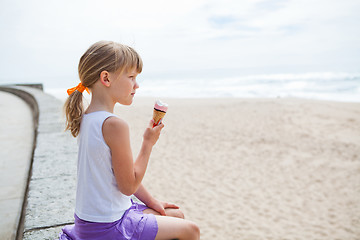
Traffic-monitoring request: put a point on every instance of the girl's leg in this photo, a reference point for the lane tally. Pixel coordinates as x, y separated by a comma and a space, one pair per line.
176, 228
173, 225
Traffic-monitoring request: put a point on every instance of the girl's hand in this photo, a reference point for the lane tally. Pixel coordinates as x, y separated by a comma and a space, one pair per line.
151, 134
161, 206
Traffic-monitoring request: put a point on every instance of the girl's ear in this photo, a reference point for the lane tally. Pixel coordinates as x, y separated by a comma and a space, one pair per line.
104, 78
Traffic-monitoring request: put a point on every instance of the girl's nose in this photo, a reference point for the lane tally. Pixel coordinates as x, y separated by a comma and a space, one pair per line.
136, 86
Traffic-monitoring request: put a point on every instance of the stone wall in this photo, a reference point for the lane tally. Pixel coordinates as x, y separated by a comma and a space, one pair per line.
50, 197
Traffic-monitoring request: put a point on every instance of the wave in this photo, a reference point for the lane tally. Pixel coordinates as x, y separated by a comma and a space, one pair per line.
315, 85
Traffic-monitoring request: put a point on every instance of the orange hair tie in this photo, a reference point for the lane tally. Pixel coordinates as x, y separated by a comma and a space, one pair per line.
79, 87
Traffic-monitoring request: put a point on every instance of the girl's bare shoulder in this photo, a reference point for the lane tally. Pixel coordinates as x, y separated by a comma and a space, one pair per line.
115, 128
115, 122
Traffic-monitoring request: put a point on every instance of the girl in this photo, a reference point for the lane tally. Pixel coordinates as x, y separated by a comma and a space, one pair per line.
107, 175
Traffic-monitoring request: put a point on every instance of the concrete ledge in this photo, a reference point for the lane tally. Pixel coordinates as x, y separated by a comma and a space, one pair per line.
31, 101
50, 199
28, 98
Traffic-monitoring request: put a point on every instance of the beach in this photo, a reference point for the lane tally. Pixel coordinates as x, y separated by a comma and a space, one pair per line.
241, 168
281, 168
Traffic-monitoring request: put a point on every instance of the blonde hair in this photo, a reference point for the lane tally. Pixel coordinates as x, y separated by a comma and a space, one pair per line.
101, 56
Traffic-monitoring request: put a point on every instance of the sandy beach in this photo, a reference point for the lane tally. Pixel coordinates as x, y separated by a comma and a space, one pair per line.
257, 168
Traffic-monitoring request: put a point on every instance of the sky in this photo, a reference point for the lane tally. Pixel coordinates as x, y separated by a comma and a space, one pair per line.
42, 40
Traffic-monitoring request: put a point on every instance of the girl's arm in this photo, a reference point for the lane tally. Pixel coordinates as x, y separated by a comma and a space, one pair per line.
143, 195
128, 174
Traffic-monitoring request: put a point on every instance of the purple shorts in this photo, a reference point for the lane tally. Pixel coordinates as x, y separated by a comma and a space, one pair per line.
134, 225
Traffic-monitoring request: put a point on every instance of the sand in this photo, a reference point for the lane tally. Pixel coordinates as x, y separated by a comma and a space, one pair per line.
257, 168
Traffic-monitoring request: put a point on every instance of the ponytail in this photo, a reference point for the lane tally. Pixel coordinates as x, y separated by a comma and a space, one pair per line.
73, 111
102, 55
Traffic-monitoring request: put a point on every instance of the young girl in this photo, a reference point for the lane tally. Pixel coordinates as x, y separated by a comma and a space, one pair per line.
107, 175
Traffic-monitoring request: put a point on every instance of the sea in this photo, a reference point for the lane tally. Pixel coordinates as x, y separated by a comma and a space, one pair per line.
344, 87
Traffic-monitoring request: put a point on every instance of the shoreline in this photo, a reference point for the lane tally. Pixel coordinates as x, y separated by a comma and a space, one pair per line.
60, 94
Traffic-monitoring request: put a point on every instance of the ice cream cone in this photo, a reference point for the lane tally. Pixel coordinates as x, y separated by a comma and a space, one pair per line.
160, 109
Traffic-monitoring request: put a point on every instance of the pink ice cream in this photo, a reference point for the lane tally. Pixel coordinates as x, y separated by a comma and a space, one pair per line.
159, 105
160, 109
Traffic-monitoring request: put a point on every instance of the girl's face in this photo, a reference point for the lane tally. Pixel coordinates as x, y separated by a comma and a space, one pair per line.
123, 86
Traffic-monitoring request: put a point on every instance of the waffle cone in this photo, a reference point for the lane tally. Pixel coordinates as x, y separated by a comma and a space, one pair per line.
157, 116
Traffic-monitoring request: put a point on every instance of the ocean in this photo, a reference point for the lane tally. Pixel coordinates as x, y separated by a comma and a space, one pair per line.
344, 87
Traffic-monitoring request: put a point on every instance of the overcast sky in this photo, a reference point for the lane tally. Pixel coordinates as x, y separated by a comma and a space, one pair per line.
42, 40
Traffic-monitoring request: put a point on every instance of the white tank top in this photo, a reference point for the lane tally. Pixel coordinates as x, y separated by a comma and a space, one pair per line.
98, 198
